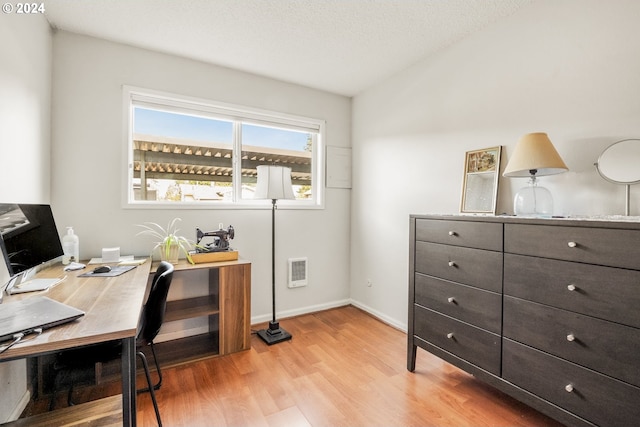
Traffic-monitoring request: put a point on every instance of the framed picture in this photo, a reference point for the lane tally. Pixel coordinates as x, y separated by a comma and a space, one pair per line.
480, 185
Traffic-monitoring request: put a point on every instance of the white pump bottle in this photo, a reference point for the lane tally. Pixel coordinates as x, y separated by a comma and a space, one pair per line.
70, 247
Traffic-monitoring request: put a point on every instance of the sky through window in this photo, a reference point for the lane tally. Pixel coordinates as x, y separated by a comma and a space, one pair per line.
154, 122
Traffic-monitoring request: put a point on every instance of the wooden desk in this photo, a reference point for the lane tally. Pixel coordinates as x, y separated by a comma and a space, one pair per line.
112, 307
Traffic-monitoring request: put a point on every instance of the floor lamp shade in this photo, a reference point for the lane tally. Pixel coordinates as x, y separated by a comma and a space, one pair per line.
534, 156
274, 182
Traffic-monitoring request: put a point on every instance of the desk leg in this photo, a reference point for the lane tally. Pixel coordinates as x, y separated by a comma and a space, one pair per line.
129, 382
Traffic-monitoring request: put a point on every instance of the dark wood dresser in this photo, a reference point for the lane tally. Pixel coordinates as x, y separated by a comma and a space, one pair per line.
546, 310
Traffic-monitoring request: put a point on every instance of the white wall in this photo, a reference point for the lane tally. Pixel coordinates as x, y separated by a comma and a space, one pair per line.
566, 67
25, 85
87, 167
25, 99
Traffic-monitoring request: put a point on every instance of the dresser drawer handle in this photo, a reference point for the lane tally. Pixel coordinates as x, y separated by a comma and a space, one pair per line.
452, 300
453, 233
571, 337
571, 287
452, 264
572, 244
450, 335
569, 388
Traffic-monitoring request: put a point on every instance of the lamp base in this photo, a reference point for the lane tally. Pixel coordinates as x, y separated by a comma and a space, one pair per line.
533, 200
274, 334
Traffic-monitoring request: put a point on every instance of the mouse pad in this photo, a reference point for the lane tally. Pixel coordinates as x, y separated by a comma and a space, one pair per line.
115, 271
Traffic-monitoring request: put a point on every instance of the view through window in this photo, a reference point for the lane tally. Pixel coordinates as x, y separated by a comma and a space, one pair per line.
193, 153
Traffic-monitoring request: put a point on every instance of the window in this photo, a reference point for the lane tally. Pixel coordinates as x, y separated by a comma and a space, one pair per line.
196, 153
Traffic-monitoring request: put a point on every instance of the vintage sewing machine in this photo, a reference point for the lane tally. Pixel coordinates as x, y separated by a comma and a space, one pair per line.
220, 241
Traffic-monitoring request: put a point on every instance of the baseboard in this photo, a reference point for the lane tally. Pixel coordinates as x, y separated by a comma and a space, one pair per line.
320, 307
380, 316
299, 311
167, 334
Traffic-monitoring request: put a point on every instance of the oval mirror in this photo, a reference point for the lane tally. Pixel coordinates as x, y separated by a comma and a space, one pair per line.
619, 163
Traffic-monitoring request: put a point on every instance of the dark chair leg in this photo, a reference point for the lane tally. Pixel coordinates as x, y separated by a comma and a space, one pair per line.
157, 385
52, 401
69, 401
151, 390
155, 359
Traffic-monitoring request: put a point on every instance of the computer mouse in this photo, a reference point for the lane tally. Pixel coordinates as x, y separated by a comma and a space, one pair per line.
101, 269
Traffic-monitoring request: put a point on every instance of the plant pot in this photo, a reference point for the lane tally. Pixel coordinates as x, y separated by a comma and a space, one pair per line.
171, 255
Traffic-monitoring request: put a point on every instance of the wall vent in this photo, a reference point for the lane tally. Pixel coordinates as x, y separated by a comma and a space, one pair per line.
298, 269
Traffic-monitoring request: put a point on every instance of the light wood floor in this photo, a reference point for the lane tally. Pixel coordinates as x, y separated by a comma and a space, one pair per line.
342, 368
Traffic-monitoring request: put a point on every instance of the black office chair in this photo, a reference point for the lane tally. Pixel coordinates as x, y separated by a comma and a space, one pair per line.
153, 315
70, 365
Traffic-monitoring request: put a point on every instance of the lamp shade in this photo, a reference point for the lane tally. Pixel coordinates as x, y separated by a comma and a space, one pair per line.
274, 182
534, 151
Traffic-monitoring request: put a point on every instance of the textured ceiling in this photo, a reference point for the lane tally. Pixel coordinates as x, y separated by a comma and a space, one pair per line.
340, 46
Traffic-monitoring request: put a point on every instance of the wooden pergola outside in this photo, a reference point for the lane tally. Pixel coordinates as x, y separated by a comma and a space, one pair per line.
184, 160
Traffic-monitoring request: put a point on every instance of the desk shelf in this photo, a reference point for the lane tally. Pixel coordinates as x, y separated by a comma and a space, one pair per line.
185, 350
192, 307
227, 305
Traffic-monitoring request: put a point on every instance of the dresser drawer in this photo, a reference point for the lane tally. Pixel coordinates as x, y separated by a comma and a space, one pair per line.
480, 235
473, 267
611, 247
472, 344
607, 347
472, 305
604, 292
595, 397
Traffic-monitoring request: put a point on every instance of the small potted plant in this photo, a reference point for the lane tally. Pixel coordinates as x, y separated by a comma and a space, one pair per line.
167, 240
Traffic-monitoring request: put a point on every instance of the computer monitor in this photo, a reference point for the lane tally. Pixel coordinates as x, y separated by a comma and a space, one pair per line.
29, 237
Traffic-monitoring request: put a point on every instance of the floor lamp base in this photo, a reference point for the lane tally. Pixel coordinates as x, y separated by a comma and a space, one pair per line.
274, 334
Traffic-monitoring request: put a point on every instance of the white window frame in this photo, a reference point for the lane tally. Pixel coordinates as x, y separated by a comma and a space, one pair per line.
218, 110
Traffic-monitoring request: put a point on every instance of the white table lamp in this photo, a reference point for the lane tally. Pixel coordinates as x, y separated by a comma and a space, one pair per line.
534, 156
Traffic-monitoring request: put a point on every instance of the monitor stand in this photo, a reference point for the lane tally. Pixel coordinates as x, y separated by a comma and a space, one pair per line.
24, 282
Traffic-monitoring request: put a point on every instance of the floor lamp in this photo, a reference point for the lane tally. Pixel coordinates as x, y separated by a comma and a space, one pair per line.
274, 182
